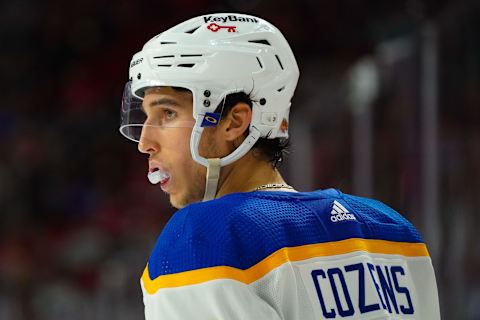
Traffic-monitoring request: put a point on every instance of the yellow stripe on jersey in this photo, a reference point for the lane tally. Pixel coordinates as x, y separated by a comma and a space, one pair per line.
280, 257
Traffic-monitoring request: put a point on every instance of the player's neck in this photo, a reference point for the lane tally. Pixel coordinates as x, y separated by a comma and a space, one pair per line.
247, 174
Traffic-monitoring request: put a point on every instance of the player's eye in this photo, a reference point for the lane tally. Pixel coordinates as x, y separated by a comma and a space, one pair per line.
169, 114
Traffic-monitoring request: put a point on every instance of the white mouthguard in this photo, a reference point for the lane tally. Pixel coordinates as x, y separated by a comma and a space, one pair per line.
157, 176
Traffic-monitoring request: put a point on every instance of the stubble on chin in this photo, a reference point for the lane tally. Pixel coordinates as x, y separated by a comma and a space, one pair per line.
191, 193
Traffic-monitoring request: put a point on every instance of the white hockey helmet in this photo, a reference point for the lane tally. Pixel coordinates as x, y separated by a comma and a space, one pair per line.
215, 55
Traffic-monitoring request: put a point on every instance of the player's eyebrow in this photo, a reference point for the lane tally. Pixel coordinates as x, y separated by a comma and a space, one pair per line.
162, 102
165, 102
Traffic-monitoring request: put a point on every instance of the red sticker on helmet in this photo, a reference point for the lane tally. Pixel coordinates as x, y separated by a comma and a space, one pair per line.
215, 27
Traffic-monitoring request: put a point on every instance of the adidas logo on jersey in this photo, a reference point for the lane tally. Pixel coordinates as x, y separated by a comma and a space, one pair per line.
340, 213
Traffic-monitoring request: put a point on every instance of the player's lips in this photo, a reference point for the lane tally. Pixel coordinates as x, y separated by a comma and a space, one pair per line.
157, 174
155, 166
164, 184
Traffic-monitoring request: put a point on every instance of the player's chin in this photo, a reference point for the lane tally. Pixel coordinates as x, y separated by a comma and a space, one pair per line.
180, 201
176, 202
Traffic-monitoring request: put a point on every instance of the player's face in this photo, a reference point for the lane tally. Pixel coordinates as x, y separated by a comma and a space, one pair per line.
168, 147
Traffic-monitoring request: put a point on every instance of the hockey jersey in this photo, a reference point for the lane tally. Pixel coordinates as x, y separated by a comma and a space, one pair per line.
286, 255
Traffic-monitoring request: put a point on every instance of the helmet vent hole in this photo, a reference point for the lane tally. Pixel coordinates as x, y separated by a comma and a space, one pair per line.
164, 65
160, 57
167, 42
190, 55
260, 63
281, 89
186, 65
263, 41
279, 62
192, 30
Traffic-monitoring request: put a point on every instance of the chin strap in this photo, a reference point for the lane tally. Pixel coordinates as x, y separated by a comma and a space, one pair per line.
213, 174
213, 165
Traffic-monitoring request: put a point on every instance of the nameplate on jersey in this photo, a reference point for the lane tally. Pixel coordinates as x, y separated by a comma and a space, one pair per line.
360, 287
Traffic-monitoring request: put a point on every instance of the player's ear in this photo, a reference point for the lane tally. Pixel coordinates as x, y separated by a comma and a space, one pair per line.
237, 121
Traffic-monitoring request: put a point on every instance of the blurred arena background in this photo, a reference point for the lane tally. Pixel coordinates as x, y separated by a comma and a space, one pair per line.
388, 106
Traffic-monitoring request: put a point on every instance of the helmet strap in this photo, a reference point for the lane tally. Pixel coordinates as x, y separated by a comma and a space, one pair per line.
213, 175
213, 165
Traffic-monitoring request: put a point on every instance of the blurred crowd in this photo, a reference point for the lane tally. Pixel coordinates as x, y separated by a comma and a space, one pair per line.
77, 214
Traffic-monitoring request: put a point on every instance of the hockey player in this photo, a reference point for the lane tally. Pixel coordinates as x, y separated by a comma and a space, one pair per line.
208, 101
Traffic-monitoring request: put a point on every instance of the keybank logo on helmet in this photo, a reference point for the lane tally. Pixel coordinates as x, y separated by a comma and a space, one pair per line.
230, 18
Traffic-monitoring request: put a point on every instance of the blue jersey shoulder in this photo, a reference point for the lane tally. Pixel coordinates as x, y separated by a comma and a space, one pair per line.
241, 229
382, 221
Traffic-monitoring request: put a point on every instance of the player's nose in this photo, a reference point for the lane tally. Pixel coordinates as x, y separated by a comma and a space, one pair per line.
147, 143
